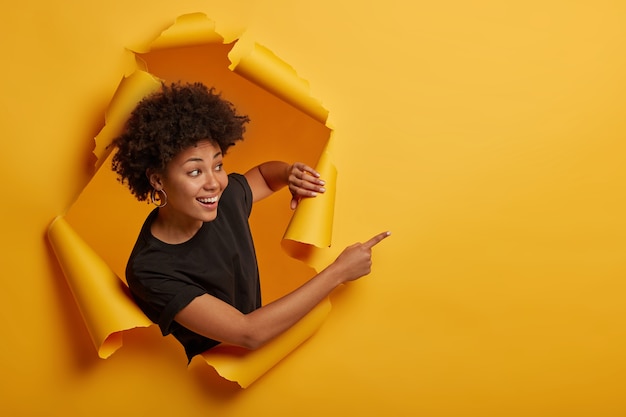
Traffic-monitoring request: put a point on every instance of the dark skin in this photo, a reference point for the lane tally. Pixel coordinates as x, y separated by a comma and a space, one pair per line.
218, 320
194, 180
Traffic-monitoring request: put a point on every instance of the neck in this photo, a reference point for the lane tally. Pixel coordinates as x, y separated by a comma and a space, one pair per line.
173, 229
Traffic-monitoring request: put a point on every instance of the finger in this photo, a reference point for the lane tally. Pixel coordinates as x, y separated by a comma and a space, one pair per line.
307, 169
309, 180
310, 183
305, 191
313, 179
376, 239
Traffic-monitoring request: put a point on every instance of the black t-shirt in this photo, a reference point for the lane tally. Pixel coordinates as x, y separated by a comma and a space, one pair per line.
219, 260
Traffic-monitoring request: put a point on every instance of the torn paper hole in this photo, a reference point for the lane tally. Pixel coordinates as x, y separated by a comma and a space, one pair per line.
93, 239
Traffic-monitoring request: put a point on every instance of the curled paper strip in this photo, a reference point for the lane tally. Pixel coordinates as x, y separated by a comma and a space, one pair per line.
312, 222
246, 366
130, 92
190, 29
309, 233
102, 298
96, 284
262, 67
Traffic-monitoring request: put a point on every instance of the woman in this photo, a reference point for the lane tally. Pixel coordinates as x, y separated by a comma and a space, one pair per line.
193, 268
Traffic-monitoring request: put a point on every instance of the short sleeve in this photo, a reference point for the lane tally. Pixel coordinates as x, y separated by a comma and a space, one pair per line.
163, 297
241, 192
219, 260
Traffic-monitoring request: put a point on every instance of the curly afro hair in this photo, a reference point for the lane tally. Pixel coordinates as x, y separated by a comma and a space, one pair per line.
166, 122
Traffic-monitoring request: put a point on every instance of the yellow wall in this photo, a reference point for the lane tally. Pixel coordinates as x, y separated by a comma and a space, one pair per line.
489, 137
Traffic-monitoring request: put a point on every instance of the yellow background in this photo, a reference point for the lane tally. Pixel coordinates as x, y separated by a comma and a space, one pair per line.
488, 136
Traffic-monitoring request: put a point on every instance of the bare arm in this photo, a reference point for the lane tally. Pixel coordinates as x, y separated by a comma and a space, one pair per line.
213, 318
269, 177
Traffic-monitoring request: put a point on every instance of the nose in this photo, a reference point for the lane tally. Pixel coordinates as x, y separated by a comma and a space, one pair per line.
211, 183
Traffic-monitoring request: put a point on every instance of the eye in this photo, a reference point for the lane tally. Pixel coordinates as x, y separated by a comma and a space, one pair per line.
219, 167
194, 173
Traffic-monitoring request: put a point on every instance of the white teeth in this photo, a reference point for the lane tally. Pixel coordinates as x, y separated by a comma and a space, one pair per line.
208, 200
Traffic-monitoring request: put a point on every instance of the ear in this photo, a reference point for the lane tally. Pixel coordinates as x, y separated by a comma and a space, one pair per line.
155, 178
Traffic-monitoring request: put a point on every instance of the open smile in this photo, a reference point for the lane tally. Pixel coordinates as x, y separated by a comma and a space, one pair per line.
209, 200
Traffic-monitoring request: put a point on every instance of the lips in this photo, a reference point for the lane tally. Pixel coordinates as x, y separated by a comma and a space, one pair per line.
209, 200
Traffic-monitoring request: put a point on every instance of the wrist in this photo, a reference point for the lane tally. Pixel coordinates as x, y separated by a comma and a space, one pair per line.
332, 273
286, 173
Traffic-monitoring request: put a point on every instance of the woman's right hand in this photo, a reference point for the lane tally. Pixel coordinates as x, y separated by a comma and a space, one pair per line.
356, 260
213, 318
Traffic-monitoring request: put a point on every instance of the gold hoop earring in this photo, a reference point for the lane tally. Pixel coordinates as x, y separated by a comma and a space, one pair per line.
162, 199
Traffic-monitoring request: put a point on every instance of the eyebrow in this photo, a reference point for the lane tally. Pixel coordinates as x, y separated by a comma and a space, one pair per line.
196, 159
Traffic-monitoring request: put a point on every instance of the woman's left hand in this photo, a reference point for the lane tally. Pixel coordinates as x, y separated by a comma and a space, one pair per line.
304, 182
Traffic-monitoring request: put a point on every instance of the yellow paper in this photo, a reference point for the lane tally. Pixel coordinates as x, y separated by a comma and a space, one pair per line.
102, 299
312, 222
130, 92
86, 272
246, 366
189, 29
492, 134
263, 68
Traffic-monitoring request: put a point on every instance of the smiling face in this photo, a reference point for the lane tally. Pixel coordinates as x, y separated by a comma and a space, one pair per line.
194, 181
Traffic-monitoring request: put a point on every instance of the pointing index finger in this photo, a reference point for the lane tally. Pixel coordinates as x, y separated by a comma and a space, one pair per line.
376, 239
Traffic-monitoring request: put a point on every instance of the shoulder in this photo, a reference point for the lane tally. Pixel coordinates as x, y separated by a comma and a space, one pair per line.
239, 191
147, 253
239, 180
